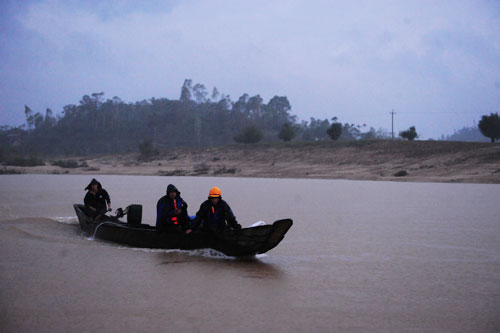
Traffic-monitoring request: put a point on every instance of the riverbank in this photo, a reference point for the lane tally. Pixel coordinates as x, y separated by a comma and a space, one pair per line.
419, 161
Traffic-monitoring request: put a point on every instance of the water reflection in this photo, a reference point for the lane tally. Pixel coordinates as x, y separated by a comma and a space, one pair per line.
250, 267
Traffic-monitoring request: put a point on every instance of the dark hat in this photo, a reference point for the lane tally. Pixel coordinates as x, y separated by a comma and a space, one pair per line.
172, 188
93, 182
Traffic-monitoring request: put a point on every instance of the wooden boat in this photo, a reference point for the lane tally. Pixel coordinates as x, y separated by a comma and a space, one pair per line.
242, 242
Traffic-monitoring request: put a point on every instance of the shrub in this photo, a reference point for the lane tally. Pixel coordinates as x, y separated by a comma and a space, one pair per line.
334, 131
409, 134
287, 133
21, 161
5, 171
200, 169
176, 172
401, 173
24, 161
147, 151
490, 126
222, 170
250, 134
69, 164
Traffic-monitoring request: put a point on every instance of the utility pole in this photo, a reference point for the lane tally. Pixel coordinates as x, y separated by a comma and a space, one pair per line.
392, 123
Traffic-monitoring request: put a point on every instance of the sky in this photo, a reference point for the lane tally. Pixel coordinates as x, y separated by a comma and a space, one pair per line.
435, 63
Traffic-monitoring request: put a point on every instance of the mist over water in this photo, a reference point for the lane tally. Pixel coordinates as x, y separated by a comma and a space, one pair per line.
361, 256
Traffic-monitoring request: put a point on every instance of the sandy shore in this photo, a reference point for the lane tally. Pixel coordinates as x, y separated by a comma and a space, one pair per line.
420, 161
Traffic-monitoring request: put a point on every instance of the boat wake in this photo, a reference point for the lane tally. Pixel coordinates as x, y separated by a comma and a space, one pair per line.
206, 253
49, 229
65, 219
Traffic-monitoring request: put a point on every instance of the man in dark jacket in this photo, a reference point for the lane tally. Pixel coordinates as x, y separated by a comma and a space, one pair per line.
215, 215
97, 200
171, 212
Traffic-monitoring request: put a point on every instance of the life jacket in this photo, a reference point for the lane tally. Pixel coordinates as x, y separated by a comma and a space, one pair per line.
215, 219
174, 218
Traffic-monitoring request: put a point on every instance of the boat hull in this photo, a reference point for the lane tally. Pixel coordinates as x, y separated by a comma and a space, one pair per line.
242, 242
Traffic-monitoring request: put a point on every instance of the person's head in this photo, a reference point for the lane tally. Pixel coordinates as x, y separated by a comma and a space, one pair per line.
94, 185
215, 195
172, 191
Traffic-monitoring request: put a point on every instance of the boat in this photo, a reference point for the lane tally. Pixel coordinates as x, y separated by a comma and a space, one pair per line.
238, 243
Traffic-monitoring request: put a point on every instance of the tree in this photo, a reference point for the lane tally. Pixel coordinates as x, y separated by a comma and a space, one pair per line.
370, 135
334, 131
466, 133
409, 134
215, 95
29, 116
37, 120
147, 150
287, 132
251, 134
276, 112
241, 106
49, 120
315, 130
255, 104
490, 126
200, 93
186, 90
350, 132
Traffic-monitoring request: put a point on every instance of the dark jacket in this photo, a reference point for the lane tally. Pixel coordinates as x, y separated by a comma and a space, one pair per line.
166, 219
215, 218
99, 201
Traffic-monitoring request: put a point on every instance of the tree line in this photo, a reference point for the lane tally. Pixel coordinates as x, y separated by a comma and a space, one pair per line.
99, 126
197, 118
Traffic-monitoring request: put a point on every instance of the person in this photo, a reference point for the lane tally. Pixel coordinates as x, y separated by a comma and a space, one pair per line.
97, 200
171, 212
215, 215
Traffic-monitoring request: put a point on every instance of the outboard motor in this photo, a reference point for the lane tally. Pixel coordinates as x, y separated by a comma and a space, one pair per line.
134, 214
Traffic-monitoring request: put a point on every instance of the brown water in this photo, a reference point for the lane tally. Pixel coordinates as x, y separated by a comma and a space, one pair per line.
361, 256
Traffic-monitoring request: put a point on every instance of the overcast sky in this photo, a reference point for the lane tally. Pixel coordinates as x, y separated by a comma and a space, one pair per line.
436, 63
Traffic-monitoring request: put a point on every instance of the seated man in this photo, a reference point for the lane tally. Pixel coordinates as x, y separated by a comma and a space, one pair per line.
171, 212
215, 215
97, 200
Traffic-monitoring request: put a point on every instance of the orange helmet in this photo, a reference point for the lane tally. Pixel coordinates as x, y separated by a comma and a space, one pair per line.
215, 192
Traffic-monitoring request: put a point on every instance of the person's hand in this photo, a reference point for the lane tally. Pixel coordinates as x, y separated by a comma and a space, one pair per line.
110, 209
177, 211
188, 231
92, 208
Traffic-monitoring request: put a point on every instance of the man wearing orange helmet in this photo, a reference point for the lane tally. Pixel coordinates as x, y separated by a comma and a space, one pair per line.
215, 214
